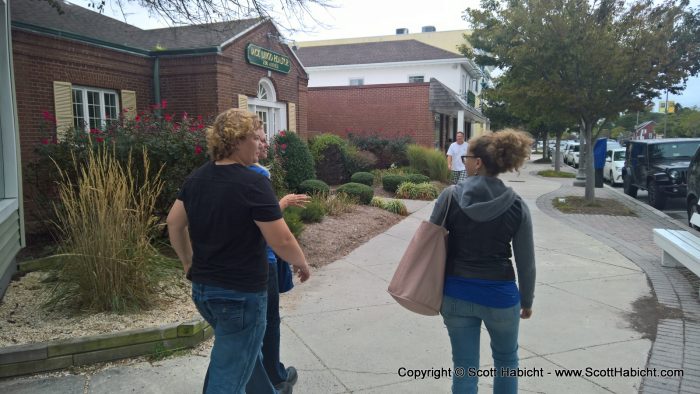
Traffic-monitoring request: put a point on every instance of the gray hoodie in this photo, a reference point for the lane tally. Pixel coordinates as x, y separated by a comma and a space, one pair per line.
484, 198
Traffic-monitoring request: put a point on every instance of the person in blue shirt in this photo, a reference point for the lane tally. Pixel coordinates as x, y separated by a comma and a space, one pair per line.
484, 219
282, 378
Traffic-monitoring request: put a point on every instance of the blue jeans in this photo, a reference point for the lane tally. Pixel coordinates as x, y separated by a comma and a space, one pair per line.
463, 320
238, 320
271, 341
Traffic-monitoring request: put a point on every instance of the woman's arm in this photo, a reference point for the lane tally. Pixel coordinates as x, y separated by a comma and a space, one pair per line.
179, 236
296, 200
524, 253
281, 240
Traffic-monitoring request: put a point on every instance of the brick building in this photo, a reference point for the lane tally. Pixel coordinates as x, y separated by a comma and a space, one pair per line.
87, 68
395, 87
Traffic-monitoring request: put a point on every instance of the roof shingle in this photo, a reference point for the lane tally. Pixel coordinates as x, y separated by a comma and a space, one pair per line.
87, 23
371, 52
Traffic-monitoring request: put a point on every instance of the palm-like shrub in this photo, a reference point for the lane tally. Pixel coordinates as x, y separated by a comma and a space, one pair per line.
420, 191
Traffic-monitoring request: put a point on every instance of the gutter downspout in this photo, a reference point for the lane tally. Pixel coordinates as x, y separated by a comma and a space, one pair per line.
156, 85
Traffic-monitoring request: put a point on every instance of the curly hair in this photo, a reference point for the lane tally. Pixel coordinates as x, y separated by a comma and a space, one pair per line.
230, 128
502, 151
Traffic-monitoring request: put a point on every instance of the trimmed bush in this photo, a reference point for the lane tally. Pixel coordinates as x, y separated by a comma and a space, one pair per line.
295, 158
330, 154
313, 212
421, 191
360, 160
417, 178
292, 216
364, 178
314, 186
362, 192
391, 182
388, 151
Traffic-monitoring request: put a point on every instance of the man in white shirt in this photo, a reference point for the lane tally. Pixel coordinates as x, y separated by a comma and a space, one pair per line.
454, 158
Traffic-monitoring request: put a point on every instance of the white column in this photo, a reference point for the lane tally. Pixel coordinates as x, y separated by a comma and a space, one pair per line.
460, 121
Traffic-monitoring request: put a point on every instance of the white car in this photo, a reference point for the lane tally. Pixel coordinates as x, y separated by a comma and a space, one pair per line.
571, 157
614, 162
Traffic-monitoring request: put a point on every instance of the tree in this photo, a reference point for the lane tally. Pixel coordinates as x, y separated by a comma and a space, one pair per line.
593, 59
187, 12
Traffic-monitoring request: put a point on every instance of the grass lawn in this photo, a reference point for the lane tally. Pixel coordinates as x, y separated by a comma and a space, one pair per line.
600, 206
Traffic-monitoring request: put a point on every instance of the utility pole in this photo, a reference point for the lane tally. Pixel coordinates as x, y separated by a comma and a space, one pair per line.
666, 116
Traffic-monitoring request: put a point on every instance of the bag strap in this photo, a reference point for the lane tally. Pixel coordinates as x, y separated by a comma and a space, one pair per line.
447, 210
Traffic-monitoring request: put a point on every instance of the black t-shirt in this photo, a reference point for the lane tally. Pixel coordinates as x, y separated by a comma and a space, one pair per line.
222, 202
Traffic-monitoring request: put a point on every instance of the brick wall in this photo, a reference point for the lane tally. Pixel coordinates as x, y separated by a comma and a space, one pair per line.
389, 110
39, 60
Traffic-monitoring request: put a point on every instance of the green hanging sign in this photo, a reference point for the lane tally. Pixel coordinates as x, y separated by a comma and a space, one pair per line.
265, 58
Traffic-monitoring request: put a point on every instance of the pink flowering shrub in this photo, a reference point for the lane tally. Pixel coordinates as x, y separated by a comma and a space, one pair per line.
175, 142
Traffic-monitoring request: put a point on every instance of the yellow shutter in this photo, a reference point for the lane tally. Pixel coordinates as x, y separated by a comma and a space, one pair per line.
63, 106
129, 103
292, 117
242, 101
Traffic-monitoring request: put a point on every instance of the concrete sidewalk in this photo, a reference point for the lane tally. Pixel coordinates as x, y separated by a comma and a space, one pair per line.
344, 333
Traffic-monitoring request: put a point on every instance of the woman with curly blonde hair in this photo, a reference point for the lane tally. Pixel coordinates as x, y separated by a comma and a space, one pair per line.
484, 218
218, 226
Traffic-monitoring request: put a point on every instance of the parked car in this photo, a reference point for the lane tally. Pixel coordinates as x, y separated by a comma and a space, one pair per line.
572, 153
659, 166
614, 162
693, 194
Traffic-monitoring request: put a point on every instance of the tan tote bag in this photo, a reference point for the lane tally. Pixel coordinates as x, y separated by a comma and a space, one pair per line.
420, 277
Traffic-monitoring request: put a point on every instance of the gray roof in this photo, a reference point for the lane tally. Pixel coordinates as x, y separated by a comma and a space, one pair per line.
371, 52
446, 101
93, 25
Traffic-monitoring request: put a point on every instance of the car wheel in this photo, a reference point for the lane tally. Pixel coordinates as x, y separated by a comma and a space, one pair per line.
691, 209
656, 197
629, 189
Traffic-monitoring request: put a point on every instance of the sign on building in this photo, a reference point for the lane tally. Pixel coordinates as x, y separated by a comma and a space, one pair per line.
266, 58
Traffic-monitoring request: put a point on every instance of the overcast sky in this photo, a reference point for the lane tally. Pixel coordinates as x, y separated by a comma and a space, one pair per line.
362, 18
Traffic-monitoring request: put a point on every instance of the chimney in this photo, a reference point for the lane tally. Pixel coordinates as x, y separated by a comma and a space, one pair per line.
428, 29
401, 30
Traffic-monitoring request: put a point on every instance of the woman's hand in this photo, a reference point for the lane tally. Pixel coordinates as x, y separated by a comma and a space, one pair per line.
296, 200
525, 313
302, 272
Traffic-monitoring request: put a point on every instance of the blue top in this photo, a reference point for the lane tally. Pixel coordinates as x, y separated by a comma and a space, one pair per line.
271, 258
491, 293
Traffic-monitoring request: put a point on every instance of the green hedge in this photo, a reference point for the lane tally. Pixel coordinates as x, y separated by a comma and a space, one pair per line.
362, 192
295, 158
314, 186
391, 182
364, 178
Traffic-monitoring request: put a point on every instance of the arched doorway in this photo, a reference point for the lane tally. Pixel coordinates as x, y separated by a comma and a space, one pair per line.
272, 113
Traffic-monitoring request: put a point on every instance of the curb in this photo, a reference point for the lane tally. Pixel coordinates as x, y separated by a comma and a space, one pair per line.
47, 356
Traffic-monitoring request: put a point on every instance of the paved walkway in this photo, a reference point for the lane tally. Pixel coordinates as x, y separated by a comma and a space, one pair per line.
594, 293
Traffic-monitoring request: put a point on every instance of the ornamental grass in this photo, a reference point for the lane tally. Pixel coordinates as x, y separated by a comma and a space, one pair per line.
106, 224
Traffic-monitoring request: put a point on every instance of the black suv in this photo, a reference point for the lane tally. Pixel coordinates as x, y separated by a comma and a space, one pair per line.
658, 166
693, 195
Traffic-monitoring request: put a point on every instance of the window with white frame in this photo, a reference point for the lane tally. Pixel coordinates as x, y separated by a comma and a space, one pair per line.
94, 108
357, 81
416, 79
